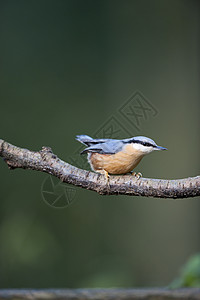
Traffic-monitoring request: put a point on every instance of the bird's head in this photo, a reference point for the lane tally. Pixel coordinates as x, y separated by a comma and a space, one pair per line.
144, 145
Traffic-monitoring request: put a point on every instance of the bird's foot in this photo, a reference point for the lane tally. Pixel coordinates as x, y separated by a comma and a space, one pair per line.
107, 176
137, 175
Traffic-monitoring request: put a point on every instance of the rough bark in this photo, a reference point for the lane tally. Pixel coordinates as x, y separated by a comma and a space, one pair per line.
45, 161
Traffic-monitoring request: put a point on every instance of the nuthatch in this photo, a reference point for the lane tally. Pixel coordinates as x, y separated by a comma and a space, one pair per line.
110, 156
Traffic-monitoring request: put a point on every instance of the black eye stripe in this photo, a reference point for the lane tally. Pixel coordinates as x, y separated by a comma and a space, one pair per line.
146, 144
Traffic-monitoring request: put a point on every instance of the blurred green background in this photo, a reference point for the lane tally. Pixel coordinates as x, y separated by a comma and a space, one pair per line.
67, 68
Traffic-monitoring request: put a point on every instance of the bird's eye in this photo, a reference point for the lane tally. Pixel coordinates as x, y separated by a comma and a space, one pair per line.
147, 144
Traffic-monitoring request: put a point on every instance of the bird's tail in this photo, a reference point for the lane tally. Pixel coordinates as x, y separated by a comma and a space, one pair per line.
84, 139
88, 141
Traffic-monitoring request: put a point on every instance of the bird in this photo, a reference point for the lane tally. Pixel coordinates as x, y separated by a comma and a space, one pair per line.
115, 156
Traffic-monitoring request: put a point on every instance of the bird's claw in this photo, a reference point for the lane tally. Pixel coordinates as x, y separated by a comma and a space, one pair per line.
107, 176
137, 175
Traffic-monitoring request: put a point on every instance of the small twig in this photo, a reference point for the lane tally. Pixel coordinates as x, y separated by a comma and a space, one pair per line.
45, 161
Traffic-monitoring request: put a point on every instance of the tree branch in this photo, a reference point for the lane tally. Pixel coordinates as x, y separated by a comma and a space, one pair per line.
102, 294
45, 161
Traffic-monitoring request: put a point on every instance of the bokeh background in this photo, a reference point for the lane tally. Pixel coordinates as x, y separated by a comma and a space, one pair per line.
67, 68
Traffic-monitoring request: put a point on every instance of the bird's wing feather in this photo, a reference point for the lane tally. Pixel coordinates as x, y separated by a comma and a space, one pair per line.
110, 147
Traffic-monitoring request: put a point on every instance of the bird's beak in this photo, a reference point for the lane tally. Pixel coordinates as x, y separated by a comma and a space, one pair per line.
160, 148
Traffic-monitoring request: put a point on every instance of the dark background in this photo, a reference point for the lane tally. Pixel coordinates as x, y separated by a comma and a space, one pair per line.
67, 68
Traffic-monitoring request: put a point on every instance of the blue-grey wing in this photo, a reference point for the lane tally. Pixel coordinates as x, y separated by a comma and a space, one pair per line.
110, 147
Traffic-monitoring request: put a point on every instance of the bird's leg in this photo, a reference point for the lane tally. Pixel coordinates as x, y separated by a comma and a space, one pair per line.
105, 173
137, 175
107, 177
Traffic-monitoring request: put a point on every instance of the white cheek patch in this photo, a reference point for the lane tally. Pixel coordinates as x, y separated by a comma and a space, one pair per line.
138, 147
143, 149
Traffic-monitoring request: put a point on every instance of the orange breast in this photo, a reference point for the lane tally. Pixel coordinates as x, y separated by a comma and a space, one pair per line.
119, 163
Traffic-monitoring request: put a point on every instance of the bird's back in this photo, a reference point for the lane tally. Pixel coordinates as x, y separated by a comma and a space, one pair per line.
103, 146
